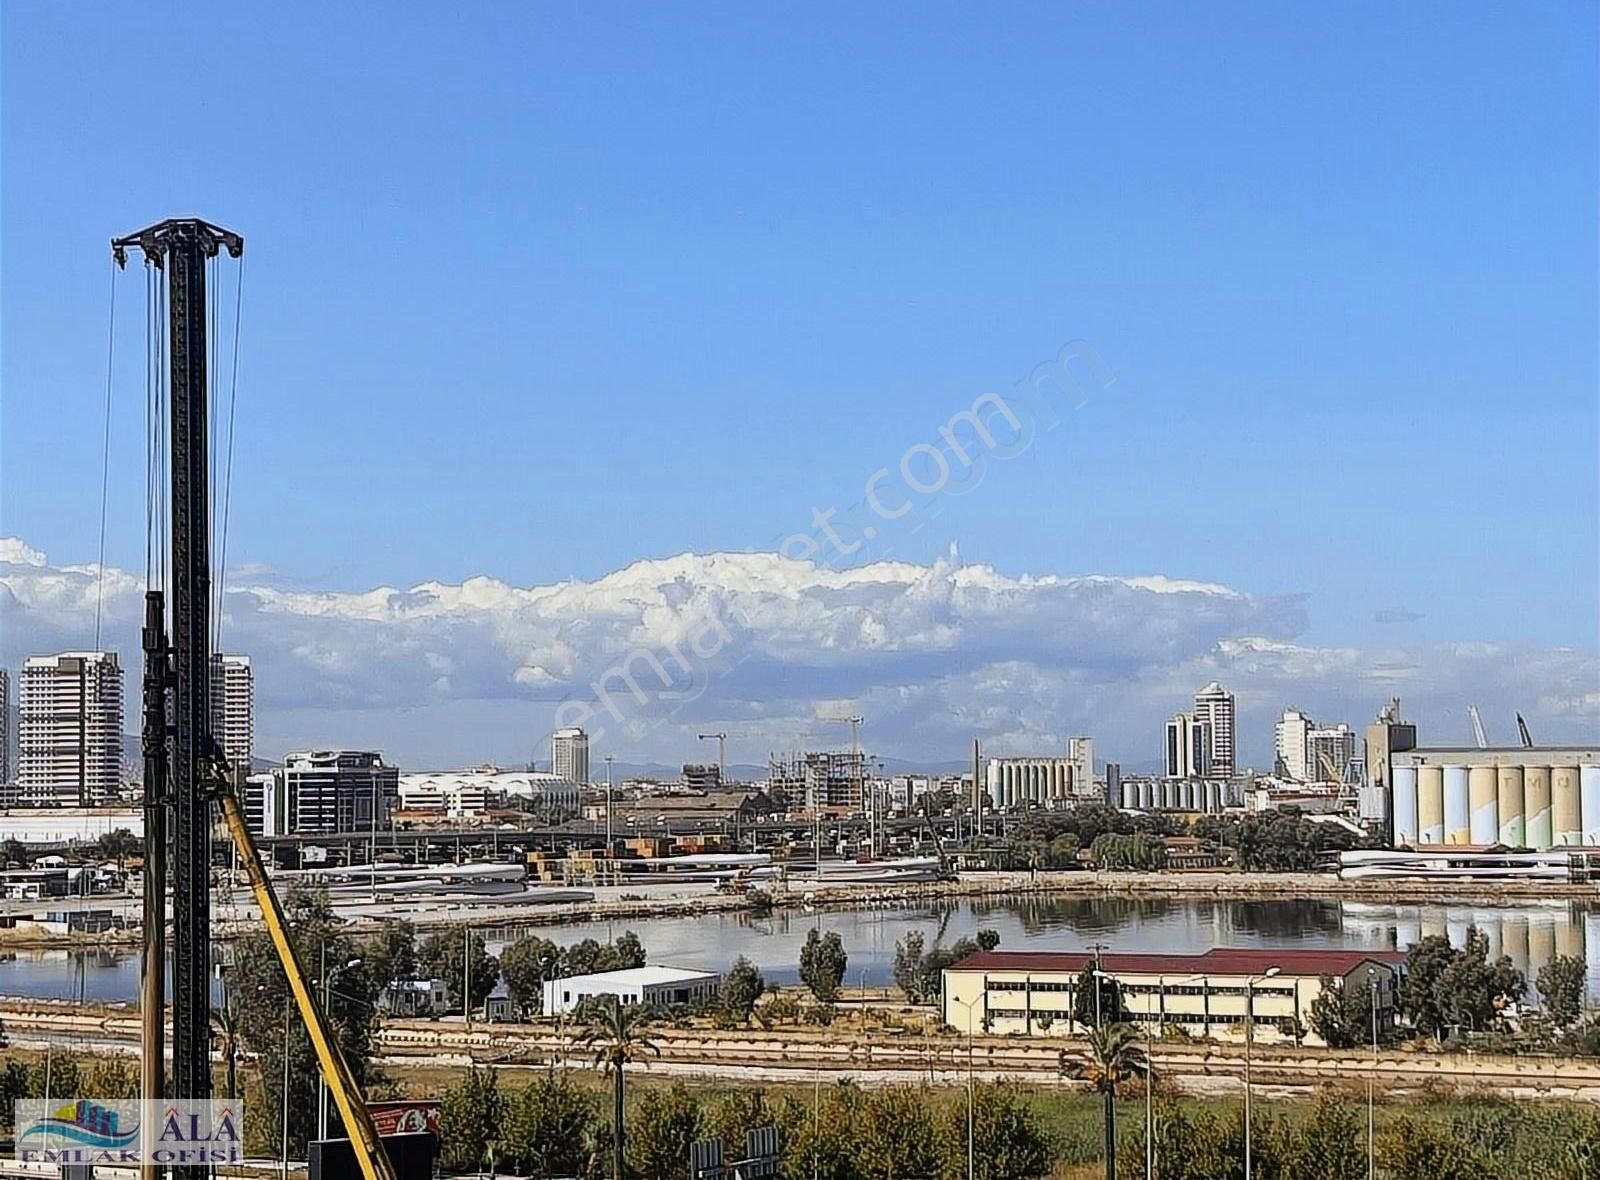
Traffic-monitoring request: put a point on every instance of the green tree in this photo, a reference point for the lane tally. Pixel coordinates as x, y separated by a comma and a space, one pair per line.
1062, 852
616, 1035
13, 1087
817, 1134
550, 1126
391, 953
908, 952
1330, 1144
738, 1113
665, 1123
822, 964
1008, 1142
1111, 1055
441, 957
741, 988
118, 846
1426, 961
1422, 1149
988, 939
1561, 983
1342, 1014
471, 1115
527, 965
1097, 999
898, 1135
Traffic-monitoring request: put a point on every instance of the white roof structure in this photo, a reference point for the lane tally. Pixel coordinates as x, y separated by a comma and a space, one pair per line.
650, 975
529, 784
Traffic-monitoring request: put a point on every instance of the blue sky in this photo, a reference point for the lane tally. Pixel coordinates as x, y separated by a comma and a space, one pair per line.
544, 290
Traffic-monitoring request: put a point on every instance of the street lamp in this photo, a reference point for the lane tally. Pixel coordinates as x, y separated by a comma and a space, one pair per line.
1108, 1079
1249, 1035
982, 997
327, 999
1372, 1076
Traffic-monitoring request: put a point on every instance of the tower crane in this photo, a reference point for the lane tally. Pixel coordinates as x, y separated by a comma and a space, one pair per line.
1477, 728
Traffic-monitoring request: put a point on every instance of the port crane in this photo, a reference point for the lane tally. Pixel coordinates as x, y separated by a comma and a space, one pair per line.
185, 774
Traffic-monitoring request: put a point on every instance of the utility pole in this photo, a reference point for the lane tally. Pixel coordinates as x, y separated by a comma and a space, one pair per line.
609, 760
722, 776
977, 804
183, 248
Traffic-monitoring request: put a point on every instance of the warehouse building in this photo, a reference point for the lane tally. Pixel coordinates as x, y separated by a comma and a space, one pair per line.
1207, 995
657, 986
1537, 797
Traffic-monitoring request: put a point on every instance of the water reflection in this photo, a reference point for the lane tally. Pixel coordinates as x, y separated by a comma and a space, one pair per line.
1530, 933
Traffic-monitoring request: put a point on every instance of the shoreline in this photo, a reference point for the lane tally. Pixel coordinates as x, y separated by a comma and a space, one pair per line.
1216, 885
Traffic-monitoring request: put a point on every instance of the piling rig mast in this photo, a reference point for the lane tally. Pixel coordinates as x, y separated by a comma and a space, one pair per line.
185, 774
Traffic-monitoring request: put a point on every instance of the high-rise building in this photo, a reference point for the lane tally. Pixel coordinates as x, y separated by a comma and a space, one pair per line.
1289, 744
1213, 705
1080, 752
819, 780
70, 729
1386, 735
1189, 747
233, 708
569, 754
700, 776
1329, 750
1113, 784
5, 730
337, 791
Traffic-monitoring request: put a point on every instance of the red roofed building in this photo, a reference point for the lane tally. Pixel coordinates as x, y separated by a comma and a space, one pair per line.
1227, 992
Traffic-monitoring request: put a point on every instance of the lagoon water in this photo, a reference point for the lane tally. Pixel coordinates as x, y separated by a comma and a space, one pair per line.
1531, 933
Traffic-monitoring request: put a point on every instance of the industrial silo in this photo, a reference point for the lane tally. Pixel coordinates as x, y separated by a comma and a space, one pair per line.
1130, 798
1536, 806
1457, 815
1589, 776
1509, 802
1484, 800
1430, 804
1566, 810
1405, 805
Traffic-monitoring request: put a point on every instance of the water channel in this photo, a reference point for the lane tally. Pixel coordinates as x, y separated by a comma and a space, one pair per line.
1530, 932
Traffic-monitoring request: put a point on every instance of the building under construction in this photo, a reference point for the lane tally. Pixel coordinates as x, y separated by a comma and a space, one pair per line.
827, 780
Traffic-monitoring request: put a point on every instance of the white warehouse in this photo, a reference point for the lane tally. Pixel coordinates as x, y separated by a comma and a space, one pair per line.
657, 985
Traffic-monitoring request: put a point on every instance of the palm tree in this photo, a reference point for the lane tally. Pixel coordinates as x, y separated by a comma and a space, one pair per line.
1112, 1055
225, 1028
616, 1034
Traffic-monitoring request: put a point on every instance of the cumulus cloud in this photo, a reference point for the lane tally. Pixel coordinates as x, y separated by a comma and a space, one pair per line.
770, 648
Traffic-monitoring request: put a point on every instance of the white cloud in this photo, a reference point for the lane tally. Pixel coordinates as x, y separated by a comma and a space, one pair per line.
767, 648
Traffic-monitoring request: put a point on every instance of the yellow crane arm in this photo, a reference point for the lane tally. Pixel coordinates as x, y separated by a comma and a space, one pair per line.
364, 1139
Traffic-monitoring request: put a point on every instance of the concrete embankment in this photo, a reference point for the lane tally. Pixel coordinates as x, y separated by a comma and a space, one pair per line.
884, 1056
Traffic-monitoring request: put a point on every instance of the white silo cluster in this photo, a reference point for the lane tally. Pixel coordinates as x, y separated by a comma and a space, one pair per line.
1520, 798
1175, 794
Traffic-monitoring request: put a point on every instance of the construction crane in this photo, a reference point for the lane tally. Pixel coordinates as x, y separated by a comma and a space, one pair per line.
722, 751
1477, 728
185, 773
856, 768
722, 771
1522, 732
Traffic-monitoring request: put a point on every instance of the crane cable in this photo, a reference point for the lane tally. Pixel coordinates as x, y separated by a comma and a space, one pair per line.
105, 462
227, 475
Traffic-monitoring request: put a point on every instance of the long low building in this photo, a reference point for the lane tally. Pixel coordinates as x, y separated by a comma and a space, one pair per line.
1207, 995
657, 985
